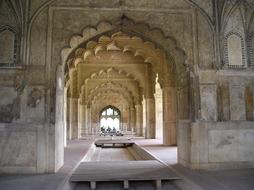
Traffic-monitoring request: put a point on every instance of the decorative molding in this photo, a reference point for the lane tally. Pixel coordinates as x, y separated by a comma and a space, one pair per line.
250, 45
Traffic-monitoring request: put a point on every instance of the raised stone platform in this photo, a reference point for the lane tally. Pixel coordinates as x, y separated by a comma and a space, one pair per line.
125, 171
132, 164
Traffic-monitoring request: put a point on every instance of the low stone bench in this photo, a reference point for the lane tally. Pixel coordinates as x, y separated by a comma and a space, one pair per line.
113, 143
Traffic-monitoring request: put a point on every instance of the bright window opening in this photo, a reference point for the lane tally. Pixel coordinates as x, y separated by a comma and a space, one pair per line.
110, 119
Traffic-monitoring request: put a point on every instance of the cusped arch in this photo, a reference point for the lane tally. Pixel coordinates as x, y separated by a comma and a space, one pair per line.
104, 73
113, 91
124, 102
118, 42
113, 85
124, 93
143, 30
125, 43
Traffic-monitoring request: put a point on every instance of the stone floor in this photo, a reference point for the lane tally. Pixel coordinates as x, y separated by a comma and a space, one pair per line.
215, 180
241, 179
113, 154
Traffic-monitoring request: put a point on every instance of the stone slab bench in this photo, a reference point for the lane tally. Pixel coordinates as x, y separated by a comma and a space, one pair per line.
113, 143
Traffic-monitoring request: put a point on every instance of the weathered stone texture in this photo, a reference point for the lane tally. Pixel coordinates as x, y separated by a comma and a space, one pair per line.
224, 145
208, 102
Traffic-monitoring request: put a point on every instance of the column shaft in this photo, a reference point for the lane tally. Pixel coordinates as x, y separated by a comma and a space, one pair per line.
169, 116
68, 120
88, 120
74, 118
150, 118
139, 120
82, 121
133, 128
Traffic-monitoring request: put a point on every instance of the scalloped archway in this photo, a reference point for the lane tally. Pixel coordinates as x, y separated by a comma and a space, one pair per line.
123, 61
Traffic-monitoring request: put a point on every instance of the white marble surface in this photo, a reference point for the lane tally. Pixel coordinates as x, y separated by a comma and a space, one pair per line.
231, 145
17, 148
208, 95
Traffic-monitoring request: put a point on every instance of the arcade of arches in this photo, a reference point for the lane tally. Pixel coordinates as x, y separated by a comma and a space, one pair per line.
120, 70
181, 71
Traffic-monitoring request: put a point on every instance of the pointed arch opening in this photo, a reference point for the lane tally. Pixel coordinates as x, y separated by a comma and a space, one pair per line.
110, 119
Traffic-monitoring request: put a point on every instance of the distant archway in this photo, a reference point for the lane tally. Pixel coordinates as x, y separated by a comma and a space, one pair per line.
110, 118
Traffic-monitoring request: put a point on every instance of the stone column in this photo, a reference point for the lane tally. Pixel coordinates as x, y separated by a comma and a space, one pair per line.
132, 122
129, 120
82, 121
122, 118
159, 113
65, 123
88, 120
150, 118
139, 120
144, 118
169, 115
74, 118
68, 120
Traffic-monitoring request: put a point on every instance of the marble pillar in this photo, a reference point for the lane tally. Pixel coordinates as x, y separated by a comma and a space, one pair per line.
82, 120
150, 118
169, 115
65, 115
88, 120
144, 118
159, 113
129, 120
74, 118
125, 117
68, 128
132, 118
139, 120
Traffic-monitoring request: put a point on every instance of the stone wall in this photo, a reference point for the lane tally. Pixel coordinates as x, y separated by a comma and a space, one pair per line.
222, 145
220, 142
23, 149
